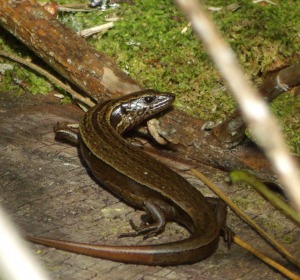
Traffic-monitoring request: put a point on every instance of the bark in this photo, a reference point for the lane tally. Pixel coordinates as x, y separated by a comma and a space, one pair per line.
70, 55
280, 81
99, 77
232, 131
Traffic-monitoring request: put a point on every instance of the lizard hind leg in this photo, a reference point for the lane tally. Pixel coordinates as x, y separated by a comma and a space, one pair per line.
154, 228
220, 209
64, 131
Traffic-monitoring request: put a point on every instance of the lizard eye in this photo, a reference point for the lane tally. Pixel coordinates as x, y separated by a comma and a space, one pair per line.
149, 99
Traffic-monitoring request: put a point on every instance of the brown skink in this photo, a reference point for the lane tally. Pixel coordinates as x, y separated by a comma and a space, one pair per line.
143, 183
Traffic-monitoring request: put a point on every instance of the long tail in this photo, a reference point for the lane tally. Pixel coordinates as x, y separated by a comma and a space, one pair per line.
186, 251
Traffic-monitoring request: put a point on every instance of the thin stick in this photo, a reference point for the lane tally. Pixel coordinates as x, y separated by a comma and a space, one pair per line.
264, 191
245, 217
53, 79
265, 259
95, 29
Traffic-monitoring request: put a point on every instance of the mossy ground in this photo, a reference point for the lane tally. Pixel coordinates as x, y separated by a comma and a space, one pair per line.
148, 42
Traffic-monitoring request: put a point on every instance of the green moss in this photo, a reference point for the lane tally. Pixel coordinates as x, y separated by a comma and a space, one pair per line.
148, 42
288, 240
262, 36
22, 79
286, 107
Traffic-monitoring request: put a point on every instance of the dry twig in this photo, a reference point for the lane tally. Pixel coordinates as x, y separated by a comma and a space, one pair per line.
265, 259
246, 218
84, 100
95, 29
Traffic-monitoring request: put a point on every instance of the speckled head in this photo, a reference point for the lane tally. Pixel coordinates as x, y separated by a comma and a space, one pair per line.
130, 110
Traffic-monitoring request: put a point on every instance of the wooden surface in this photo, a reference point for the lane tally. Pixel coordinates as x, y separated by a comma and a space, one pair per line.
48, 192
